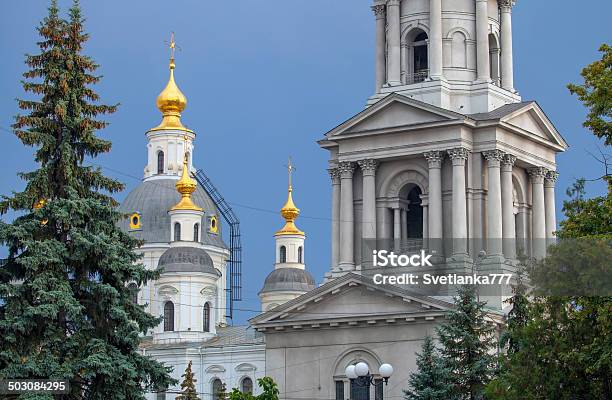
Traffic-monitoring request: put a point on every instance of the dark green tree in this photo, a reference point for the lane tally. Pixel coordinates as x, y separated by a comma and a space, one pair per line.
467, 340
432, 380
269, 391
65, 309
595, 94
188, 389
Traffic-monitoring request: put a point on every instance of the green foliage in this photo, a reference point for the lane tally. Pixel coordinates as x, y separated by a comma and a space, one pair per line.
222, 392
586, 217
188, 389
595, 95
269, 391
65, 310
432, 380
467, 341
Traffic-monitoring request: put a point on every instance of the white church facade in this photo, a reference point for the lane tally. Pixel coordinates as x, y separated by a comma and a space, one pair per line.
446, 156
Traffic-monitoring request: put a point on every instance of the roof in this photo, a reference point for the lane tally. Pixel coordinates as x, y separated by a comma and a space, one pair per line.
289, 279
152, 199
187, 259
500, 112
239, 335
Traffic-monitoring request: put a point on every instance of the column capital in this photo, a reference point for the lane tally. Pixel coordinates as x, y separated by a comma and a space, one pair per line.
434, 158
508, 162
494, 157
393, 3
537, 174
379, 10
458, 155
506, 5
368, 167
346, 169
334, 174
550, 179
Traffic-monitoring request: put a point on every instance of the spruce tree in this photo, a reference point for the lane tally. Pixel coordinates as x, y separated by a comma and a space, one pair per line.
432, 379
65, 309
188, 390
467, 342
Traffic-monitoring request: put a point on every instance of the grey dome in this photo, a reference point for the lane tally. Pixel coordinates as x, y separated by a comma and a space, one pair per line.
289, 279
152, 199
187, 259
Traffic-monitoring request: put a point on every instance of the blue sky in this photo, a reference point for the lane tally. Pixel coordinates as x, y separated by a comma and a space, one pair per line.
266, 79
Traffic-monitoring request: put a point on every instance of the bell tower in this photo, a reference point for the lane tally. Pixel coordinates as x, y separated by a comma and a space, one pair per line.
455, 54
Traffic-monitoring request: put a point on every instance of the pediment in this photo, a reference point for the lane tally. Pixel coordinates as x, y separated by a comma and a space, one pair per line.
532, 120
391, 112
352, 297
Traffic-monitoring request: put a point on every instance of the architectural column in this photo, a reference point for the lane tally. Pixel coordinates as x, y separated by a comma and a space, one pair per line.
549, 203
393, 38
435, 39
381, 41
538, 220
404, 222
482, 41
507, 67
459, 212
335, 231
508, 226
494, 202
368, 220
425, 205
347, 245
434, 161
397, 225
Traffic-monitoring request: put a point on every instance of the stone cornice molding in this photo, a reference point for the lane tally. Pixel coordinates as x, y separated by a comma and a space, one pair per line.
379, 10
368, 167
346, 169
458, 155
434, 158
494, 157
334, 174
538, 174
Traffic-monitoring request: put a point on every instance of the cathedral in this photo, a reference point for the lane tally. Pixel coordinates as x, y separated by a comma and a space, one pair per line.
445, 156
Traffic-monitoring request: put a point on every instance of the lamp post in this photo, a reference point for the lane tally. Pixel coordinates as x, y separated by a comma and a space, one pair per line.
360, 374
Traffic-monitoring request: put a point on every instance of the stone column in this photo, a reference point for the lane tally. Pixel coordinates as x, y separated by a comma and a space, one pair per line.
393, 38
335, 231
404, 222
494, 202
397, 225
381, 41
434, 161
368, 220
425, 205
538, 220
549, 203
435, 39
507, 73
482, 41
507, 187
347, 245
459, 212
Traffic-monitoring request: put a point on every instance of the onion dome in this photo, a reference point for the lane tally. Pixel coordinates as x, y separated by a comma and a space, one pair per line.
186, 186
289, 211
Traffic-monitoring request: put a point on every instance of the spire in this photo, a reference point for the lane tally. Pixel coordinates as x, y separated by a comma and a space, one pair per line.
186, 186
171, 101
289, 211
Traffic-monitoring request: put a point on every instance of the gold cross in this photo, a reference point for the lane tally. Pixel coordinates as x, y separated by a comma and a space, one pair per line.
172, 45
290, 169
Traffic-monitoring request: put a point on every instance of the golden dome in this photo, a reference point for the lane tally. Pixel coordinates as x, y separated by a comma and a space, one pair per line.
186, 186
289, 211
171, 102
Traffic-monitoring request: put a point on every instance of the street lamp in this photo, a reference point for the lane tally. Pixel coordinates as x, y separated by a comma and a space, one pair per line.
360, 374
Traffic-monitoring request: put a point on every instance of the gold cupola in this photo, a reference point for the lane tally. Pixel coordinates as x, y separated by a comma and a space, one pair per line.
186, 186
171, 102
289, 211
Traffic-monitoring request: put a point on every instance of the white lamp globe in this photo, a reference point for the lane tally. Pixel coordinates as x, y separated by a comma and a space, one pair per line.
362, 369
385, 370
350, 372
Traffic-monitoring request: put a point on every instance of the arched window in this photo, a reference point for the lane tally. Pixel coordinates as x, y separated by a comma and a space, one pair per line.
177, 231
160, 162
247, 386
459, 50
494, 60
416, 66
217, 387
414, 215
282, 254
300, 255
133, 289
168, 316
196, 233
206, 317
